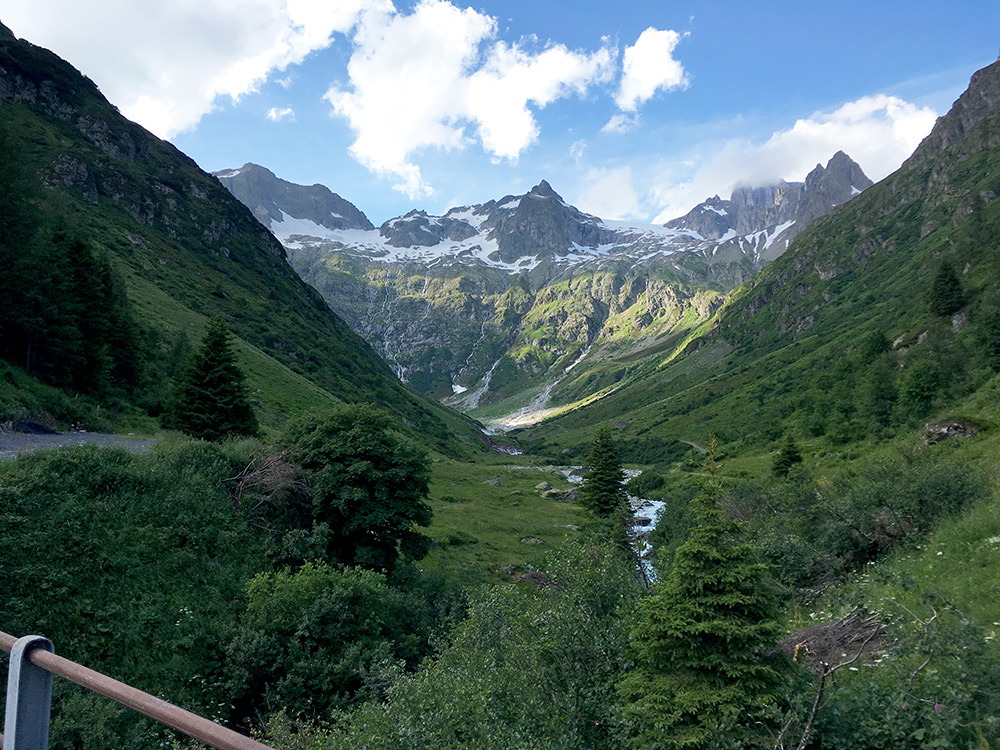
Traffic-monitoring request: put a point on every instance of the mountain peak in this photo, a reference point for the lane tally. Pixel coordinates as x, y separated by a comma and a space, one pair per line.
6, 33
544, 190
979, 101
311, 208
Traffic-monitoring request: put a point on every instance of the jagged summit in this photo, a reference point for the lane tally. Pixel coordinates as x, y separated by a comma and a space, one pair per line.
544, 190
781, 210
6, 34
288, 209
540, 233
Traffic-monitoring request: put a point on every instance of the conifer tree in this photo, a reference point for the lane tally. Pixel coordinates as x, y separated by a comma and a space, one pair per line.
788, 455
705, 641
211, 400
603, 491
946, 292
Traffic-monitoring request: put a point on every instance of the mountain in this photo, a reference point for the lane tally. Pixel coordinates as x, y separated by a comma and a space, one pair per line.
881, 316
768, 218
183, 249
269, 197
495, 303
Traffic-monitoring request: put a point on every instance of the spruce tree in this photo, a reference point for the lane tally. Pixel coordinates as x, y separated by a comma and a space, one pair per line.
603, 491
705, 642
787, 456
946, 296
211, 400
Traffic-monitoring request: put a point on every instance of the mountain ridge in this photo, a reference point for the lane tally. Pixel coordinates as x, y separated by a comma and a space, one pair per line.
500, 298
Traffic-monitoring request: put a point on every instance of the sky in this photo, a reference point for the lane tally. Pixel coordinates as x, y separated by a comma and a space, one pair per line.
633, 110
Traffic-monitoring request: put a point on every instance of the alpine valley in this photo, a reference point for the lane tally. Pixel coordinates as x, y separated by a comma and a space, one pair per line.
507, 308
803, 378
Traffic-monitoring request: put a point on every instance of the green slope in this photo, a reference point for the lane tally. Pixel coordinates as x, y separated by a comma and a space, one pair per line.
188, 250
837, 341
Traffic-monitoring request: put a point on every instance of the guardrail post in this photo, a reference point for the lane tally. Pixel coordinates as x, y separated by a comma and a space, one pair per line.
29, 698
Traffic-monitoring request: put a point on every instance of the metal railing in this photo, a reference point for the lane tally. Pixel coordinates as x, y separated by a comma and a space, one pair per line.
29, 698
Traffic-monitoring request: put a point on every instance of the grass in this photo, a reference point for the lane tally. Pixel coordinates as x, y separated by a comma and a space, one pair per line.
482, 511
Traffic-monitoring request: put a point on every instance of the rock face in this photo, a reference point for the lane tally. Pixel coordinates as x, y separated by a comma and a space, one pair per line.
781, 211
522, 297
980, 100
274, 200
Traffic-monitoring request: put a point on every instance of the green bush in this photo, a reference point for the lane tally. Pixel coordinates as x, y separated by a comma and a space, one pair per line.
527, 669
318, 638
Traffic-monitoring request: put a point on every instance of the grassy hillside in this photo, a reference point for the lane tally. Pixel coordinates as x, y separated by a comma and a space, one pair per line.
844, 338
185, 249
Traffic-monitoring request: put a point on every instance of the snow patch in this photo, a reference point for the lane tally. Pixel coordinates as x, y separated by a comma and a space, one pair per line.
288, 226
777, 231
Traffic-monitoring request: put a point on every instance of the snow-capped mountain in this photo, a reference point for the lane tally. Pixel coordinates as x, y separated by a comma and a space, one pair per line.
504, 298
539, 230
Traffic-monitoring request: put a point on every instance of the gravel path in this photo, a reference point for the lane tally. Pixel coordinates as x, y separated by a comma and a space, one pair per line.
13, 444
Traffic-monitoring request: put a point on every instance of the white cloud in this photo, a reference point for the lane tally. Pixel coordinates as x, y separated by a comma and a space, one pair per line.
277, 115
878, 132
577, 149
649, 66
620, 123
164, 64
609, 194
422, 80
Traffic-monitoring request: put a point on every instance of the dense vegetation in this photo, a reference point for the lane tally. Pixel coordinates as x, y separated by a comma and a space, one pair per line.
827, 573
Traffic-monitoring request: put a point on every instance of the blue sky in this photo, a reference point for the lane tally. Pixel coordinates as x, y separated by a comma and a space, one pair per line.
632, 109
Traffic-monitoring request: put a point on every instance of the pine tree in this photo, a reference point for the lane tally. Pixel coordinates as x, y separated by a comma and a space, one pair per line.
211, 400
705, 641
603, 491
787, 456
946, 296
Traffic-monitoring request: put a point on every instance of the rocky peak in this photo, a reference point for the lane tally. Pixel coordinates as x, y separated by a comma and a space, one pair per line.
758, 209
840, 181
544, 190
541, 228
6, 34
979, 101
273, 200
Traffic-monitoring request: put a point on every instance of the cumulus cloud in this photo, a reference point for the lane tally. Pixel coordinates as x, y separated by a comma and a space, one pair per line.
425, 79
878, 132
609, 194
277, 115
649, 66
164, 64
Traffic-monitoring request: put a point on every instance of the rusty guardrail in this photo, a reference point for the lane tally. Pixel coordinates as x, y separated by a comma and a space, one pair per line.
29, 687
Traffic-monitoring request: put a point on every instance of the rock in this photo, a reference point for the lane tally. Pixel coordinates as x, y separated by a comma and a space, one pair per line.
561, 496
271, 198
532, 540
494, 482
543, 486
539, 580
935, 433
